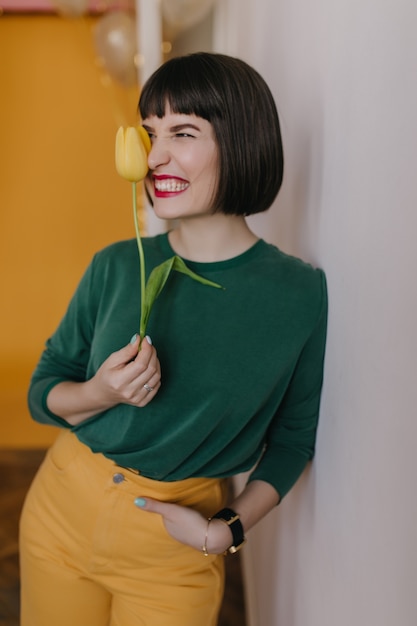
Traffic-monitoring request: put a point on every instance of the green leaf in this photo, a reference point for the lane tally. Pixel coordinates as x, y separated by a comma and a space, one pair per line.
180, 266
157, 279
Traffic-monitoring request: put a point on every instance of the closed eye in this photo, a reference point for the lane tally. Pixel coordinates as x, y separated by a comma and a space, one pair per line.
185, 135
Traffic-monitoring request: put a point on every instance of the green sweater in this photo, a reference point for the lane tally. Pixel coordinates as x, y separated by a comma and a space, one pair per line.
241, 367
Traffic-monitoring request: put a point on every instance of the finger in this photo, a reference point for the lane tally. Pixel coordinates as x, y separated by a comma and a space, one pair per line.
145, 361
126, 354
150, 376
182, 523
149, 395
153, 381
142, 385
149, 379
166, 509
146, 350
175, 513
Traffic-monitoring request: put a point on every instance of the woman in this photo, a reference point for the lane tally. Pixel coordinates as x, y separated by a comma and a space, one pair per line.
126, 522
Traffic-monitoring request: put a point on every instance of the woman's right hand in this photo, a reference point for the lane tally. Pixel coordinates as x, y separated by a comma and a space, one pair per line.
127, 376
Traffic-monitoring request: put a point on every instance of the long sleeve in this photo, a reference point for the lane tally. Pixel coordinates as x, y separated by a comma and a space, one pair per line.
290, 441
67, 352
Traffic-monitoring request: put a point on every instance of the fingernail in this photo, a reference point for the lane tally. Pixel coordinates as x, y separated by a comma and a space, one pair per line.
148, 339
135, 336
140, 502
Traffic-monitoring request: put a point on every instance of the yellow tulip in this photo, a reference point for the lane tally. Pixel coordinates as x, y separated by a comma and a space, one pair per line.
132, 148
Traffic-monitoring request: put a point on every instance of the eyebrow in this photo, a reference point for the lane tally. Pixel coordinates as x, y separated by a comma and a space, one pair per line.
177, 127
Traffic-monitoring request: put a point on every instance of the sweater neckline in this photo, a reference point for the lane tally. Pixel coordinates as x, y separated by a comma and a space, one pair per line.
236, 261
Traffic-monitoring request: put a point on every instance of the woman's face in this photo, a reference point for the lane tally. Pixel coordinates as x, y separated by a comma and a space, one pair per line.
183, 165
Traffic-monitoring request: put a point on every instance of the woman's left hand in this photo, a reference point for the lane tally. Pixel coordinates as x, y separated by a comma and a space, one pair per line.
188, 526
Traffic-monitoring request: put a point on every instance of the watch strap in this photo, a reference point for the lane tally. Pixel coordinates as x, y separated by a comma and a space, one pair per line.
232, 519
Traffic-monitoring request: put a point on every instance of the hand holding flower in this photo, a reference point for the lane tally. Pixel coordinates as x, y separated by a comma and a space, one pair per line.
122, 377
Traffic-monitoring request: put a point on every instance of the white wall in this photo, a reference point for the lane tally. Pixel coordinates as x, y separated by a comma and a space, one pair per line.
342, 547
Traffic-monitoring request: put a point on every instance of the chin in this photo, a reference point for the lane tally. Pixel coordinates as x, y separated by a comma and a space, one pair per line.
166, 215
166, 210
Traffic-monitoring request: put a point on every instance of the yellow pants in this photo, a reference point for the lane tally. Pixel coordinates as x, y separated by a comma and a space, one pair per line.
90, 557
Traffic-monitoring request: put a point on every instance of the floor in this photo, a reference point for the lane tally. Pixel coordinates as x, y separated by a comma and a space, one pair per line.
17, 468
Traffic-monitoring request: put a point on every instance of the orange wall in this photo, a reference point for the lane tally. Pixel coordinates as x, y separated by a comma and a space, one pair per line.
60, 197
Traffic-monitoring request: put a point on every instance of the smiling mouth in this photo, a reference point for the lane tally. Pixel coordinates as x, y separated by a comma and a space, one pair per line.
170, 185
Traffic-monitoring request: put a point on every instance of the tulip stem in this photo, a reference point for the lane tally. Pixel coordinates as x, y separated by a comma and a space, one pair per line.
142, 263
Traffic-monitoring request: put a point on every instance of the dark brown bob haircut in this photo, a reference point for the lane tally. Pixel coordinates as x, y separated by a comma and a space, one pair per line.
238, 103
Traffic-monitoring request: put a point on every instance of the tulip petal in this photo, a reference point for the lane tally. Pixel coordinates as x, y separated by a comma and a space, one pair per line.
120, 152
145, 138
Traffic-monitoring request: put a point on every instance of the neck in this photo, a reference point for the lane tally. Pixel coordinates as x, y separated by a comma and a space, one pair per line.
214, 238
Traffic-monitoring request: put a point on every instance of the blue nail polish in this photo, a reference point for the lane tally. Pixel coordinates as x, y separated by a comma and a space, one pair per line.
148, 339
135, 336
140, 502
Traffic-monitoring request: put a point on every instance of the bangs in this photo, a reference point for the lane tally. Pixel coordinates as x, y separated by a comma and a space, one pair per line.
185, 88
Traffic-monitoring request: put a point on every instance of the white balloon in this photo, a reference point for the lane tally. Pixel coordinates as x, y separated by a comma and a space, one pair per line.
115, 42
71, 8
179, 15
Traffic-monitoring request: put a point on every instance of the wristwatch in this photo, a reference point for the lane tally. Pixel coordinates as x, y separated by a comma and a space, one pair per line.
232, 519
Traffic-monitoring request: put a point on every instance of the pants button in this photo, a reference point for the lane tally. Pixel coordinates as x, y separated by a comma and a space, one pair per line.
118, 478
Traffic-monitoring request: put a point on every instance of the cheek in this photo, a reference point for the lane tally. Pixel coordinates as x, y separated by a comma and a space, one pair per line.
209, 170
212, 176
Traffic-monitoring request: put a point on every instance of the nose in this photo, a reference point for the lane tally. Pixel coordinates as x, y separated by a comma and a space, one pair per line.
159, 154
